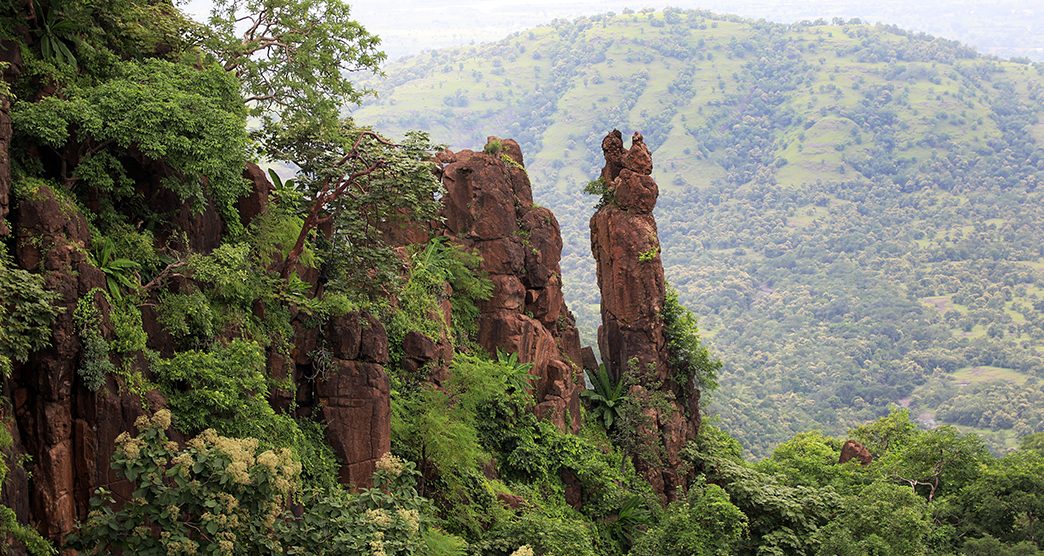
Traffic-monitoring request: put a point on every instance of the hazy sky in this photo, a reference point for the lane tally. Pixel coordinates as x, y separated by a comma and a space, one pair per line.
1001, 27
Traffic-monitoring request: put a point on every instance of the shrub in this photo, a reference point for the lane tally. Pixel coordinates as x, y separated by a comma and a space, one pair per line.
602, 190
221, 495
26, 313
605, 398
705, 524
95, 364
691, 363
217, 495
226, 389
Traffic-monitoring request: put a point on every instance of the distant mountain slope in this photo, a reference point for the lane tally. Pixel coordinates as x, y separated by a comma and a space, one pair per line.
856, 212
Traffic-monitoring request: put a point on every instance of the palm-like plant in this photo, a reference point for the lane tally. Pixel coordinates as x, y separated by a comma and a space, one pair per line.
519, 374
120, 274
606, 397
632, 515
54, 32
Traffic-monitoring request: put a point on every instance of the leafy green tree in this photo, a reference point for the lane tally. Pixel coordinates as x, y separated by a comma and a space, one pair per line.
293, 58
891, 432
883, 519
810, 459
705, 524
989, 546
938, 462
355, 181
692, 364
1007, 500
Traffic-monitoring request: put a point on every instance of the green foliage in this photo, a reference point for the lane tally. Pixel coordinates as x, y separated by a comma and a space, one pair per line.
783, 519
493, 147
881, 519
217, 495
605, 397
293, 59
891, 432
224, 388
936, 463
187, 317
989, 546
190, 118
235, 281
121, 274
518, 376
220, 495
692, 365
390, 518
432, 267
1006, 500
55, 32
810, 459
26, 313
705, 523
95, 364
360, 183
602, 190
649, 255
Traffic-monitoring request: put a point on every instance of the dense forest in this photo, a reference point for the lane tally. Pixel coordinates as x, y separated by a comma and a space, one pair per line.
854, 211
371, 353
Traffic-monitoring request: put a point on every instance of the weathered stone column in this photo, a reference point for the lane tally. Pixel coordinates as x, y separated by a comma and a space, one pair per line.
632, 340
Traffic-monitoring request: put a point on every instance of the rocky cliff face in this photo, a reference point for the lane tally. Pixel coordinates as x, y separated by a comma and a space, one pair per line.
632, 339
489, 207
68, 430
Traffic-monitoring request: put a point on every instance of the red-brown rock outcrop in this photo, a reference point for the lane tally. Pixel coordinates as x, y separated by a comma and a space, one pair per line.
488, 207
626, 247
855, 450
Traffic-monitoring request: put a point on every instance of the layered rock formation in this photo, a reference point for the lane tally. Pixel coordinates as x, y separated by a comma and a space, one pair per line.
489, 207
69, 430
632, 338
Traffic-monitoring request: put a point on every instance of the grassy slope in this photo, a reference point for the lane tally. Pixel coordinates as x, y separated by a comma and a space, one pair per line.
559, 88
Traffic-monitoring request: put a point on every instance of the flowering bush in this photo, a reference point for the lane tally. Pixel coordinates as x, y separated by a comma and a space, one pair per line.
217, 495
225, 496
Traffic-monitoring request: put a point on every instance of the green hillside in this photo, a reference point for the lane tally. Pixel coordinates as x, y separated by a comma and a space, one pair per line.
855, 211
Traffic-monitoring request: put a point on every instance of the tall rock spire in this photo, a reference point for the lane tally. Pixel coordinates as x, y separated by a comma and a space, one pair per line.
632, 336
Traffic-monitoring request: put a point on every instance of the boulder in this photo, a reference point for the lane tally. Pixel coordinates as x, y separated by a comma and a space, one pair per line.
254, 202
854, 450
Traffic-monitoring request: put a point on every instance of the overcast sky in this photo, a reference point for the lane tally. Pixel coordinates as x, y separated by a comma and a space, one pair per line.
1001, 27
